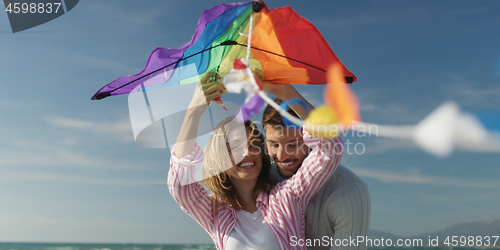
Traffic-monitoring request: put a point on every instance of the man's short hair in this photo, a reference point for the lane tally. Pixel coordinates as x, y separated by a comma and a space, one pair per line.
272, 117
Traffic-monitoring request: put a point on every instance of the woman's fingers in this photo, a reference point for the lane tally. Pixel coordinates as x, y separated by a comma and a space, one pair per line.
206, 77
210, 77
212, 96
209, 88
213, 90
212, 87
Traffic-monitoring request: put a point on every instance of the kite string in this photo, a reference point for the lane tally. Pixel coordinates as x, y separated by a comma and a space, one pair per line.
282, 112
249, 43
389, 131
261, 93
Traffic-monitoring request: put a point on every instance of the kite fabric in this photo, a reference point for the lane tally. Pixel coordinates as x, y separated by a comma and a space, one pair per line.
285, 48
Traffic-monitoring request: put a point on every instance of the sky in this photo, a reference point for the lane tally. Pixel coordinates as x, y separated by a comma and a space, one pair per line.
70, 170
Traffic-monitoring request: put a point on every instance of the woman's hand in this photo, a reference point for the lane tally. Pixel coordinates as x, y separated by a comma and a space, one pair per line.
212, 89
203, 95
208, 91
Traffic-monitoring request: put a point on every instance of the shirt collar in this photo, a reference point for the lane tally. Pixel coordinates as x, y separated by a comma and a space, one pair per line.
262, 199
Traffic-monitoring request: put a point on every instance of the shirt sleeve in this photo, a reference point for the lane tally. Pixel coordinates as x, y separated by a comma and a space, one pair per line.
317, 167
192, 197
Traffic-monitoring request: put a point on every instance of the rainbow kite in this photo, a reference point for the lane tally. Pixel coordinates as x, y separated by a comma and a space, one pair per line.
285, 48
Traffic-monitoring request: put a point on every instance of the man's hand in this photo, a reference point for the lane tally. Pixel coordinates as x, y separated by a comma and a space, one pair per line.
277, 89
285, 92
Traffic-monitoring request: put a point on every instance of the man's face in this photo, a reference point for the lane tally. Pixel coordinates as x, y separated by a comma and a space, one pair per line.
286, 148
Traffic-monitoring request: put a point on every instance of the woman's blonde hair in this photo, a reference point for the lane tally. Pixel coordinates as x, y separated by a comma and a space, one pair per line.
218, 160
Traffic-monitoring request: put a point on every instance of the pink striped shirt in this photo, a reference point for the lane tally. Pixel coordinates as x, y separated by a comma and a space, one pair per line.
283, 208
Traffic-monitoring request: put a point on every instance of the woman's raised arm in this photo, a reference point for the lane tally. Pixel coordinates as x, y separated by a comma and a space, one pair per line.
203, 95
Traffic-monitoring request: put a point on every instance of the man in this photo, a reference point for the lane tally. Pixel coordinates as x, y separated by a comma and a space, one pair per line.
340, 210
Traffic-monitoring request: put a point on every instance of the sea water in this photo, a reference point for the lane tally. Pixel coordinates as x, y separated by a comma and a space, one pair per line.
100, 246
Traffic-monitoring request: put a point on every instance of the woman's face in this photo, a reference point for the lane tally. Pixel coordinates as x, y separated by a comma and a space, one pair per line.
250, 153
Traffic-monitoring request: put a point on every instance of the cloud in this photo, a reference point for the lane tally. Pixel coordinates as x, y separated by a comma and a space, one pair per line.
460, 198
119, 130
74, 143
316, 99
94, 61
388, 13
413, 176
389, 113
21, 104
61, 156
384, 145
138, 16
78, 179
462, 13
58, 156
471, 93
53, 157
54, 152
32, 227
373, 105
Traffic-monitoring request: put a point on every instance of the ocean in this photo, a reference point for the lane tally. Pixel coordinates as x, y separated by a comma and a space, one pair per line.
103, 246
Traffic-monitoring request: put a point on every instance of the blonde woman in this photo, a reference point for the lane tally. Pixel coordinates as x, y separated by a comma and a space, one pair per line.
243, 211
